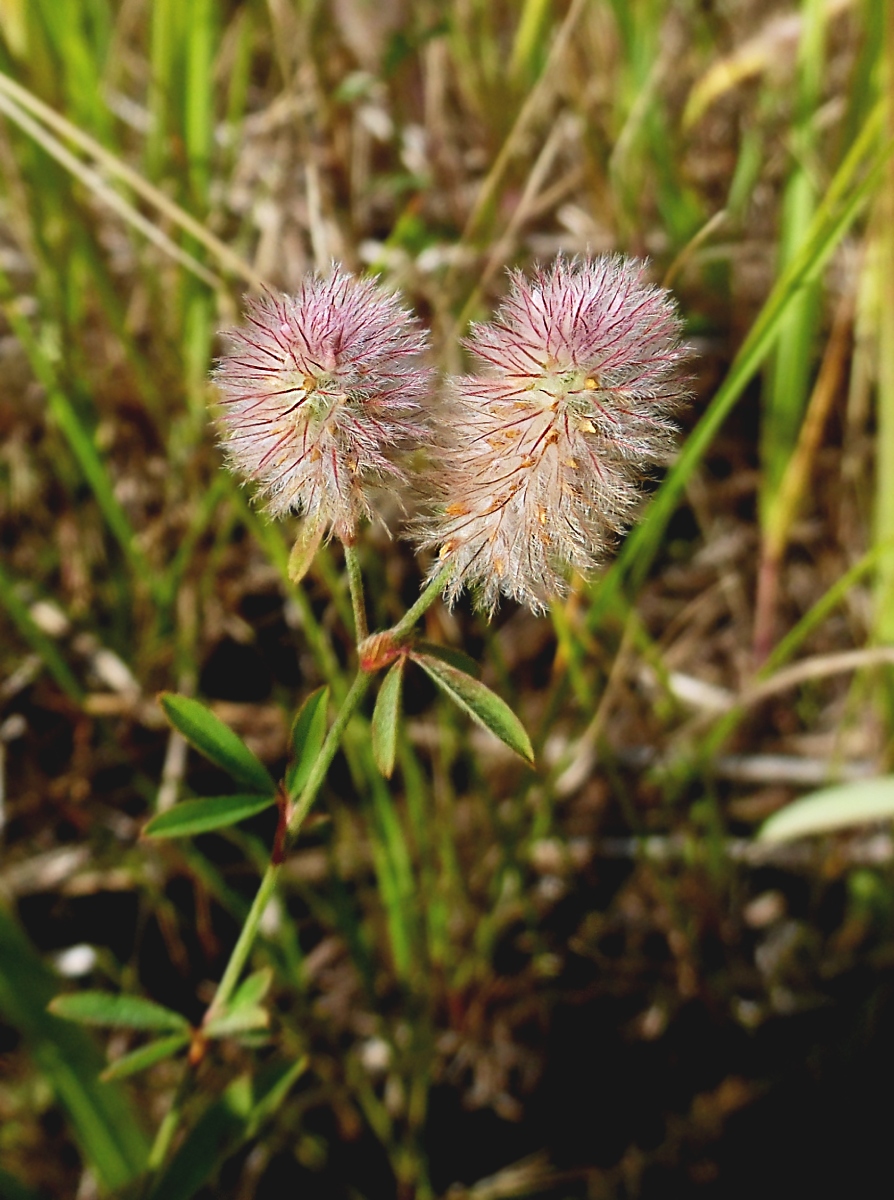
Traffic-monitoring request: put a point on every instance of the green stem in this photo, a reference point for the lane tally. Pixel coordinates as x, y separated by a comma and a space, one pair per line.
249, 932
166, 1130
355, 582
429, 595
359, 688
243, 946
323, 761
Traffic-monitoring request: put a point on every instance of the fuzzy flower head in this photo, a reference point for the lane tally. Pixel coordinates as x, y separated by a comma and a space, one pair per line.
545, 448
320, 392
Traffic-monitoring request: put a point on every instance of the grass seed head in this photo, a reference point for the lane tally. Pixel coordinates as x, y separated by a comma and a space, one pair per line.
320, 395
544, 450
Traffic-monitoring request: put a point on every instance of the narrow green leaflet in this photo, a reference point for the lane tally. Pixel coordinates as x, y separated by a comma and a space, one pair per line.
479, 702
308, 735
253, 989
244, 1013
238, 1020
386, 718
145, 1056
200, 816
449, 654
217, 742
840, 807
130, 1012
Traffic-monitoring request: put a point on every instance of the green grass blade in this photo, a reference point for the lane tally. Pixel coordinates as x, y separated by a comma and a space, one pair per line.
792, 362
223, 1127
79, 440
104, 1124
198, 117
42, 645
528, 48
93, 469
394, 874
844, 200
880, 264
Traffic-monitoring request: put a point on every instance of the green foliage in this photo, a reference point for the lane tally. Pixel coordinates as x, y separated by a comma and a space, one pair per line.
104, 1123
228, 1122
450, 655
479, 702
145, 1057
158, 158
854, 182
386, 718
308, 733
42, 645
243, 1012
128, 1012
211, 737
201, 816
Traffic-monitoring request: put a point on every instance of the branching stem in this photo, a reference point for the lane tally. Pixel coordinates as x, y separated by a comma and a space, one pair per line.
427, 598
249, 932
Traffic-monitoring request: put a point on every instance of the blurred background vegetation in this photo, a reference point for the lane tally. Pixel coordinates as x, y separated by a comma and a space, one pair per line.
593, 980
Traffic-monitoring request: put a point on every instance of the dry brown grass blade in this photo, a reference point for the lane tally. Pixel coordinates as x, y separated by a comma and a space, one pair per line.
797, 475
533, 105
22, 99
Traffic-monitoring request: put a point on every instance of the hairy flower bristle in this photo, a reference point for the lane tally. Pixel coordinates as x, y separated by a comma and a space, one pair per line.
319, 393
544, 450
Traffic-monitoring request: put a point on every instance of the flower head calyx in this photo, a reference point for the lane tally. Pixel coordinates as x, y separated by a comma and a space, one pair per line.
544, 449
320, 394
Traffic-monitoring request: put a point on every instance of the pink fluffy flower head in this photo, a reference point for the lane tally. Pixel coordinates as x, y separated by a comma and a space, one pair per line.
320, 393
545, 448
